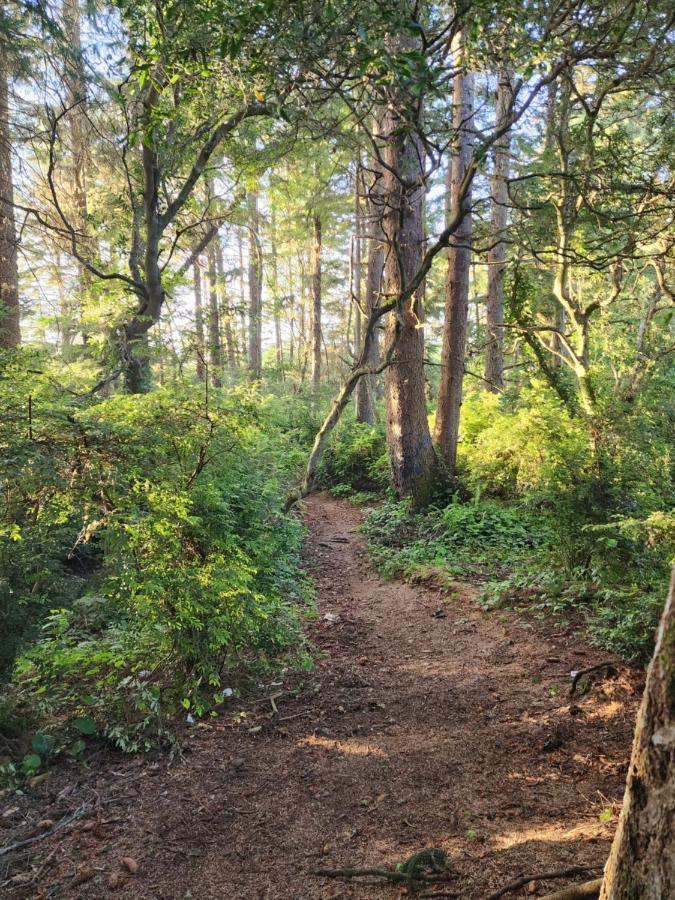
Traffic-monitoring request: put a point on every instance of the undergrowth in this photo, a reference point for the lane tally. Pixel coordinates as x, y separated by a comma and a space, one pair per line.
145, 555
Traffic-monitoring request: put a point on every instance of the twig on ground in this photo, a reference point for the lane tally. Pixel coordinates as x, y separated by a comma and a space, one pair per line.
62, 823
546, 876
589, 890
577, 676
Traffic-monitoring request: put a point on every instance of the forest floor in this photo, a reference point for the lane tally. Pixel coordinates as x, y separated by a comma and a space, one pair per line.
425, 723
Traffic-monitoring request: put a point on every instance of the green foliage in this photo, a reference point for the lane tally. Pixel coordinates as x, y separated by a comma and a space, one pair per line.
147, 539
356, 460
475, 538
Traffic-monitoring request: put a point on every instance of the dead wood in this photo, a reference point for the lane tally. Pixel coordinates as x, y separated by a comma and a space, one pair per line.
546, 876
62, 823
577, 676
589, 890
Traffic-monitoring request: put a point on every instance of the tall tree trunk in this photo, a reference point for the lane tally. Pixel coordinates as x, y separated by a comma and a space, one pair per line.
365, 389
78, 136
494, 350
316, 301
254, 288
224, 311
10, 331
457, 276
212, 323
275, 292
199, 319
641, 863
243, 329
411, 451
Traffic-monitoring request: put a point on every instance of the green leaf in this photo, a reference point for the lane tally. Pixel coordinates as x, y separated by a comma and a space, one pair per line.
43, 743
85, 725
31, 762
77, 747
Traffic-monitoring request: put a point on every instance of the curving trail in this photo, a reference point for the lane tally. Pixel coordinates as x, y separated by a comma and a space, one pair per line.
424, 724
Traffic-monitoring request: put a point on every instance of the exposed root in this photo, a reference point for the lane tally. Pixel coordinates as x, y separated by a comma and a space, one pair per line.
546, 876
589, 890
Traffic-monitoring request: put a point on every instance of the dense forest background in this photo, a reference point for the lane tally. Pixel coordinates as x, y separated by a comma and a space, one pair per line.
416, 255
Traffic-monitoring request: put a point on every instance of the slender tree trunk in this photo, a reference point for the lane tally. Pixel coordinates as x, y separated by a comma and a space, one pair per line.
408, 438
641, 863
76, 96
457, 276
366, 388
225, 312
10, 330
212, 323
316, 301
199, 319
494, 350
243, 329
275, 293
254, 288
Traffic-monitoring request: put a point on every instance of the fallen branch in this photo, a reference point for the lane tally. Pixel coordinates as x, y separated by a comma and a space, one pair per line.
577, 676
62, 823
589, 890
547, 876
363, 873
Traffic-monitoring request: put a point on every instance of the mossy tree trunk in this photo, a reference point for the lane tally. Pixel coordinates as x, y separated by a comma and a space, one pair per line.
641, 863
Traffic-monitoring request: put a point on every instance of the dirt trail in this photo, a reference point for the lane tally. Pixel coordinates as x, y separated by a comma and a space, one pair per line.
424, 724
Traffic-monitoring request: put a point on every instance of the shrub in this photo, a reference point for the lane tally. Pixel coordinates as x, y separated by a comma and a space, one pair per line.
159, 544
356, 456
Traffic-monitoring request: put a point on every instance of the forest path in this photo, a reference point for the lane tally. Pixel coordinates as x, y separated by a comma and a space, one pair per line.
424, 724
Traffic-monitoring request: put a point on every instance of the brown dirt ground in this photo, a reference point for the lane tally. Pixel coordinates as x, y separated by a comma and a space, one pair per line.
424, 724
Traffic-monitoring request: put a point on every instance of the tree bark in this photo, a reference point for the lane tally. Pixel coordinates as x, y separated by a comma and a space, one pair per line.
199, 320
316, 301
10, 330
254, 289
278, 342
411, 452
243, 329
366, 388
641, 863
76, 96
453, 348
212, 323
494, 350
224, 309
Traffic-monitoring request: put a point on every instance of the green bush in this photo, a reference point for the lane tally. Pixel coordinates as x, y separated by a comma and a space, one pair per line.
151, 527
357, 457
464, 539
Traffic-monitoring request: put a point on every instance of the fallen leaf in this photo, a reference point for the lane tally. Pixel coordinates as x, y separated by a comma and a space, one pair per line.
44, 824
35, 780
130, 863
84, 873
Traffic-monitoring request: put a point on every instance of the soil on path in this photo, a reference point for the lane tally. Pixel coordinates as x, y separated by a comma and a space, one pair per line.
425, 723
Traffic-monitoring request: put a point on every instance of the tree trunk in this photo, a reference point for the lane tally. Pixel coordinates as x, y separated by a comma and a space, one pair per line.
366, 388
224, 310
243, 329
10, 332
408, 438
254, 289
278, 343
316, 301
212, 323
494, 350
641, 863
355, 268
457, 276
76, 95
199, 320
